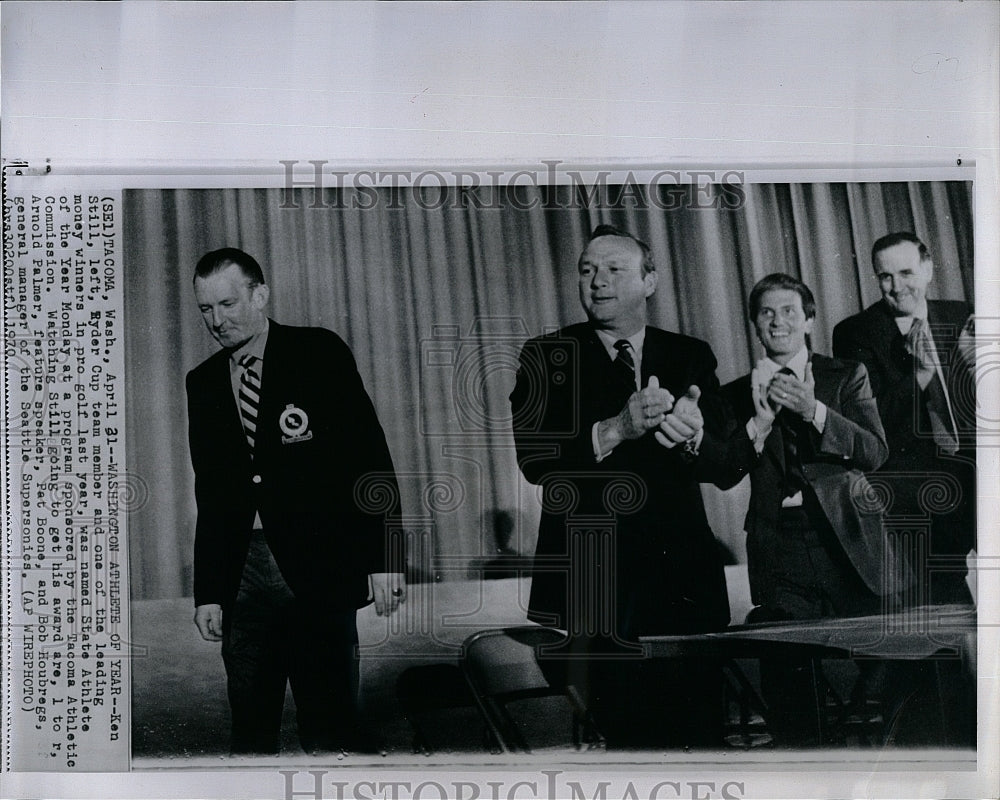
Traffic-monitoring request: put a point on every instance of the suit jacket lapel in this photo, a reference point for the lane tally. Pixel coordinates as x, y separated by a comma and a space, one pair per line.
894, 341
271, 379
774, 446
652, 358
658, 360
600, 373
826, 381
945, 333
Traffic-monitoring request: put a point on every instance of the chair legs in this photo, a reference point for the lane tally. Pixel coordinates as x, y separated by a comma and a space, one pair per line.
428, 688
585, 732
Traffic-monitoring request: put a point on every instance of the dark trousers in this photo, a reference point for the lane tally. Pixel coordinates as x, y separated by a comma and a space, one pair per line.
810, 577
658, 703
929, 703
932, 521
808, 574
638, 702
272, 640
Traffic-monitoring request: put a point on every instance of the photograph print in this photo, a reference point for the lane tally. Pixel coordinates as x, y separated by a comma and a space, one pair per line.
596, 465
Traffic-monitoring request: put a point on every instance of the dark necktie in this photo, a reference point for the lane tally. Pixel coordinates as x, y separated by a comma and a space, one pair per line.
249, 398
790, 424
625, 363
920, 346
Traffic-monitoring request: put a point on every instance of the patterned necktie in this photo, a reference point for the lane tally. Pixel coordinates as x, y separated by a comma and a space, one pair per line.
920, 346
249, 398
789, 423
625, 363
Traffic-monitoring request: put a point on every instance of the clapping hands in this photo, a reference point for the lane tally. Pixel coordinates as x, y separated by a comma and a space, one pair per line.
645, 410
683, 422
780, 392
787, 391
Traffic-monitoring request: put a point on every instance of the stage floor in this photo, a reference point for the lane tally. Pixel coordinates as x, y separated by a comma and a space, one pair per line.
181, 715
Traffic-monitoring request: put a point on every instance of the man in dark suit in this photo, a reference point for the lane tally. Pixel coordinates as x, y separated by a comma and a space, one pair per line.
925, 386
287, 548
806, 428
607, 418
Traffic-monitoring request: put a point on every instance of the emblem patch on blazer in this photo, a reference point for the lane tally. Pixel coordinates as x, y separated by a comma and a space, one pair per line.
294, 423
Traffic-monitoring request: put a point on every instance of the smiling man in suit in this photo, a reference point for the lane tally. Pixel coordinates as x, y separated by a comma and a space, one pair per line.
807, 429
925, 386
281, 431
607, 416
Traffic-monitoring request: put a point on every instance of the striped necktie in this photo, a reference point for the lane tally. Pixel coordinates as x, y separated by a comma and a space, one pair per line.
943, 427
625, 363
249, 398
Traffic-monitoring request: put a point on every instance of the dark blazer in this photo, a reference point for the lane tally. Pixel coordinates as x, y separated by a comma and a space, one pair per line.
873, 338
302, 479
663, 561
832, 463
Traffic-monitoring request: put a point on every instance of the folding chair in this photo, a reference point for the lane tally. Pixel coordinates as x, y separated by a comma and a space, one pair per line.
502, 668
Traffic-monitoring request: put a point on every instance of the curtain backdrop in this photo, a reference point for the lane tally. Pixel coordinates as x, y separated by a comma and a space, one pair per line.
436, 298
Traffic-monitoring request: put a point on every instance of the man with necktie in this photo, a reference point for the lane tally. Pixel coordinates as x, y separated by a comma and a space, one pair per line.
607, 417
807, 428
924, 382
282, 436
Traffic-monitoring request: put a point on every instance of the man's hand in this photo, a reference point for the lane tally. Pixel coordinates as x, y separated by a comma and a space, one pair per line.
208, 618
683, 422
388, 589
789, 392
645, 410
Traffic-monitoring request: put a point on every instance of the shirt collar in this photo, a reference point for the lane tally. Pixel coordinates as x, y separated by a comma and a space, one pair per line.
636, 340
905, 323
796, 364
254, 346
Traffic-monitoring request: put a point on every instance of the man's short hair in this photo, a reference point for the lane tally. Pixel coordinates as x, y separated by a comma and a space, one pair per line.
782, 280
892, 239
611, 230
218, 260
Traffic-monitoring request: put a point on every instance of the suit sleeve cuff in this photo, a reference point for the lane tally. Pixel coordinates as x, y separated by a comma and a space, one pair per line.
819, 418
756, 436
598, 455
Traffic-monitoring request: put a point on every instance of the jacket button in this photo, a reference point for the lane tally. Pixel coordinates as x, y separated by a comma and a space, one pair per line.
256, 479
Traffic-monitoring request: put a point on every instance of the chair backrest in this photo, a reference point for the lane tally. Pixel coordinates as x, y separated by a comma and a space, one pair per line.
503, 661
